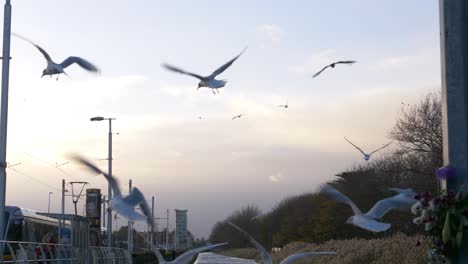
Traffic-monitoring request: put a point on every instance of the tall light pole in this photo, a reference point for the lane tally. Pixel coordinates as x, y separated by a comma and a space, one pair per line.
48, 207
109, 189
4, 109
454, 66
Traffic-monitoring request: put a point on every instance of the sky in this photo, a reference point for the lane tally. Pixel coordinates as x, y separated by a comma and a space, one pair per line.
214, 165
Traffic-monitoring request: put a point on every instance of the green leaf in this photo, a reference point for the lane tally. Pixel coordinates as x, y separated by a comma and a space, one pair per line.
459, 237
446, 231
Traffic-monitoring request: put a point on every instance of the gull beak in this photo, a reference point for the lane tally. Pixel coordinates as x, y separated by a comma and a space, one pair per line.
42, 75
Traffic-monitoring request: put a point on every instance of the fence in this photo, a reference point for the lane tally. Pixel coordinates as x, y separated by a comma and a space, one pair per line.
44, 253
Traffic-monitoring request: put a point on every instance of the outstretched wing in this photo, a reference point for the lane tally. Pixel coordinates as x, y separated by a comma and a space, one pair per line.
345, 62
355, 146
188, 255
384, 146
336, 195
226, 65
317, 74
294, 257
46, 55
399, 201
179, 70
266, 259
80, 61
112, 181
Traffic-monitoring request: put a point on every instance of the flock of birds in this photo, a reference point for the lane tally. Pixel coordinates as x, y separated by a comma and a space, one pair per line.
126, 205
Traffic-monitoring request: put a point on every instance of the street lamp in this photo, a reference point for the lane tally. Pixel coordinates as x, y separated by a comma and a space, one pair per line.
109, 189
48, 210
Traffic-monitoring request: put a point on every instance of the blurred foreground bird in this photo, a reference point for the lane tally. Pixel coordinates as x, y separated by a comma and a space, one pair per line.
58, 68
237, 116
185, 258
333, 66
403, 200
266, 258
284, 106
367, 156
125, 206
207, 81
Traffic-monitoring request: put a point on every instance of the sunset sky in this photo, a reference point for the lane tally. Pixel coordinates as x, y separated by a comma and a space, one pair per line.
214, 165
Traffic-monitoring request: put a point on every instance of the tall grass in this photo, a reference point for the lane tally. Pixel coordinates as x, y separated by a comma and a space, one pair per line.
399, 249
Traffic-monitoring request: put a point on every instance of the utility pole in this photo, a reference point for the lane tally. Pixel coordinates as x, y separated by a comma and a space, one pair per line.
62, 220
48, 206
4, 110
130, 227
167, 229
454, 65
76, 198
152, 218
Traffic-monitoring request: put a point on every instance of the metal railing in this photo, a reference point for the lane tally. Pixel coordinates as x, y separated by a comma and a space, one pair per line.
45, 253
105, 255
31, 252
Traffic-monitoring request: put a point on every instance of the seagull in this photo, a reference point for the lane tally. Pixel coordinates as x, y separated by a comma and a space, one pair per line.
124, 206
237, 116
266, 258
285, 105
367, 156
359, 219
333, 66
58, 68
403, 200
184, 258
207, 81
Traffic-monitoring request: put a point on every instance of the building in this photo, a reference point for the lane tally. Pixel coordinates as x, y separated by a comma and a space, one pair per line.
181, 233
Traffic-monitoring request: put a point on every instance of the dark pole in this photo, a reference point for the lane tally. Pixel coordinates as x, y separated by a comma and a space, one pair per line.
454, 63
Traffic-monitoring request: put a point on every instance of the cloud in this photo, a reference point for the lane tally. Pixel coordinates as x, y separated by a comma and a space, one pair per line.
275, 177
273, 32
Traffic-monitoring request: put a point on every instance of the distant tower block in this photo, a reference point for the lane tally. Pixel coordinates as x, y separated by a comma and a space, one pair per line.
181, 229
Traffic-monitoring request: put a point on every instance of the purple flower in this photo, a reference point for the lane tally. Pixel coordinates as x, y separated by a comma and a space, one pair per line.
445, 173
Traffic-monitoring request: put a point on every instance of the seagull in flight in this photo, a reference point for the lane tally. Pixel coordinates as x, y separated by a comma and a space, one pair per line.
367, 156
184, 258
266, 258
403, 200
285, 105
124, 206
333, 66
58, 68
207, 81
237, 116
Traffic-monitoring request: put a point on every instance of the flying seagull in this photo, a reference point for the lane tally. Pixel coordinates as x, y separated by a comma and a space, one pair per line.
367, 156
184, 258
266, 258
207, 81
58, 68
237, 116
358, 219
285, 105
403, 200
333, 66
125, 206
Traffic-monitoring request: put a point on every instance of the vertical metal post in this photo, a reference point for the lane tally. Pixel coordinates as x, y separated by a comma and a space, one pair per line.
4, 110
152, 217
130, 227
62, 220
48, 206
109, 189
167, 229
454, 65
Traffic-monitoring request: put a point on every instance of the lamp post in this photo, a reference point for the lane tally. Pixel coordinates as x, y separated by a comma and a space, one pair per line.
48, 207
4, 109
109, 189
